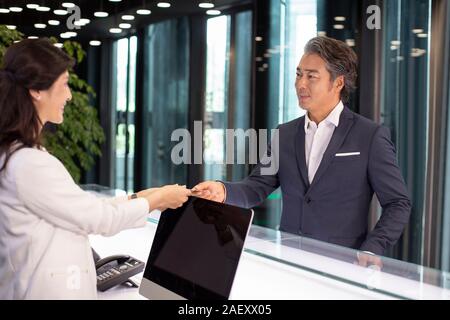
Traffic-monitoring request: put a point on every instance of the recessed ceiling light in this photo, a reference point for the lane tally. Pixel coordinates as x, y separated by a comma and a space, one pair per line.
164, 4
143, 12
115, 30
339, 18
40, 25
338, 26
128, 17
33, 37
85, 20
95, 43
32, 6
68, 4
58, 45
71, 34
213, 12
422, 35
53, 22
125, 26
258, 38
43, 9
417, 30
78, 23
101, 14
60, 12
3, 10
64, 35
11, 27
15, 9
350, 42
206, 5
115, 0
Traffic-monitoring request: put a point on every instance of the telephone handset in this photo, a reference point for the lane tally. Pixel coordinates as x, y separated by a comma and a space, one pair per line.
117, 269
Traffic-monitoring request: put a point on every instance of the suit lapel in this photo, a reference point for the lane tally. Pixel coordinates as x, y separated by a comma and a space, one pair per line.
300, 151
340, 133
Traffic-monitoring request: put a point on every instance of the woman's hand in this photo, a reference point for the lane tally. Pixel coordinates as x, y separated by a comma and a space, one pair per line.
170, 196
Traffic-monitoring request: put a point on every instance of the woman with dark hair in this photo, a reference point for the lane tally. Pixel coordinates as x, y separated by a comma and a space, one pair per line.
45, 218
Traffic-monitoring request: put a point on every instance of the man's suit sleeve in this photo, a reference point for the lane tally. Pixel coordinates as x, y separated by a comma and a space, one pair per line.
254, 189
387, 182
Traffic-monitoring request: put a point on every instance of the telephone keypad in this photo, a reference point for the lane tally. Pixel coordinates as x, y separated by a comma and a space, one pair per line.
111, 275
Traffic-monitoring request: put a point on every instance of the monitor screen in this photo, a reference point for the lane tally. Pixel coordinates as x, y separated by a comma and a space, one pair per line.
196, 249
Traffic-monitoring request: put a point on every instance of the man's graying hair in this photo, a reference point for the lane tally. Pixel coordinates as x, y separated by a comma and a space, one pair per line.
340, 60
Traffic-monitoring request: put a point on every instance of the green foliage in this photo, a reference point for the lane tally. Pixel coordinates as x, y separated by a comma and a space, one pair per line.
7, 37
78, 139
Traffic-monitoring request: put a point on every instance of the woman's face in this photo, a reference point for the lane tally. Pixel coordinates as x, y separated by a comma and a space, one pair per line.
50, 103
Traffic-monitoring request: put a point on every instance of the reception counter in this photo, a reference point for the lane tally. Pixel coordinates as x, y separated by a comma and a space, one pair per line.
277, 265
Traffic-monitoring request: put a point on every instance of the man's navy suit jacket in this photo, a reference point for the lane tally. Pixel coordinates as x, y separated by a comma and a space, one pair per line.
335, 206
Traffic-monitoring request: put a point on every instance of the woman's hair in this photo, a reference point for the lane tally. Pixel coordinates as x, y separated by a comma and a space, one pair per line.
31, 64
341, 60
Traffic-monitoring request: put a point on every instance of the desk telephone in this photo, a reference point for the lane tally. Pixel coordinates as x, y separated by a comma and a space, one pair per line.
115, 270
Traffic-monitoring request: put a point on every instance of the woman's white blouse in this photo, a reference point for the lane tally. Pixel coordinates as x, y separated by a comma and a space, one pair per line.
45, 220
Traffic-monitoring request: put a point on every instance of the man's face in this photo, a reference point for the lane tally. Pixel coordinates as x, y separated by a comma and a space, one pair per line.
313, 84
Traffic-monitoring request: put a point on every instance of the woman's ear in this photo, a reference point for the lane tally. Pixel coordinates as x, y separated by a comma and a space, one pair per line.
35, 94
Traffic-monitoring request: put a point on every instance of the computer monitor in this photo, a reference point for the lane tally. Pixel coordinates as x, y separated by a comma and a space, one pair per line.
196, 251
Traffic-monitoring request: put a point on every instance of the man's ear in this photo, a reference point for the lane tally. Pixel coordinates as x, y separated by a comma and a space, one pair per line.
339, 83
35, 94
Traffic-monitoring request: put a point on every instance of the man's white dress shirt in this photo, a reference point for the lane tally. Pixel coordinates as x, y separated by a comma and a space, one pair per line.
317, 138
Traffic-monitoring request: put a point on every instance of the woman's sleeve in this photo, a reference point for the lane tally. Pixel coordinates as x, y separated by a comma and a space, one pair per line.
48, 191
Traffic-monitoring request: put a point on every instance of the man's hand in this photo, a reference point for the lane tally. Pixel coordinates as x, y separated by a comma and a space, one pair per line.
368, 260
210, 190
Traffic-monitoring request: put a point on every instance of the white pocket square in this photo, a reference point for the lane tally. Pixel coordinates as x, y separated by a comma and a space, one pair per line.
347, 154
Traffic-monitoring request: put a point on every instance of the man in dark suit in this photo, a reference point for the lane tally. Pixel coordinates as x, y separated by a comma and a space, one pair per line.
331, 161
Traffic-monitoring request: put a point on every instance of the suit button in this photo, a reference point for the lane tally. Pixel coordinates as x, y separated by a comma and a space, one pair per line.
308, 200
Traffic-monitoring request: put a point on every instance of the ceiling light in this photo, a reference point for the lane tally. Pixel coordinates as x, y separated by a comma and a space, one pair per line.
33, 37
11, 27
128, 17
258, 39
40, 25
115, 30
163, 4
64, 35
350, 42
15, 9
125, 26
422, 35
101, 14
396, 42
43, 9
143, 12
417, 30
60, 12
71, 34
213, 12
115, 0
95, 43
338, 26
58, 45
339, 18
32, 6
85, 21
3, 10
206, 5
68, 4
53, 22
